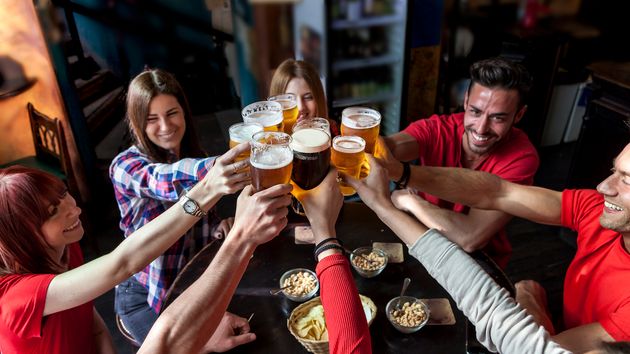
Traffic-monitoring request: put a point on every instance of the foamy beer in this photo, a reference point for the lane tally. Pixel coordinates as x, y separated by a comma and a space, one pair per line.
363, 122
348, 156
316, 122
243, 132
271, 159
289, 110
266, 113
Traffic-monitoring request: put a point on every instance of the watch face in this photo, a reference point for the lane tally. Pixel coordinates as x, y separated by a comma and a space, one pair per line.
189, 206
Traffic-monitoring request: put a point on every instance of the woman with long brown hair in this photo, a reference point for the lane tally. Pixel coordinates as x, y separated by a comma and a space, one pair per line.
165, 160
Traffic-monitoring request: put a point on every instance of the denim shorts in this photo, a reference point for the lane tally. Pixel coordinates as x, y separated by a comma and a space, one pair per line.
134, 310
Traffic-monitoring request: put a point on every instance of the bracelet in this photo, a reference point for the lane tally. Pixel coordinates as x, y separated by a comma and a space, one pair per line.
327, 247
404, 179
328, 240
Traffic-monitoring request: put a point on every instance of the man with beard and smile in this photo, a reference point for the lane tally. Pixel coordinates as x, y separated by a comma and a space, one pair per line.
483, 138
596, 304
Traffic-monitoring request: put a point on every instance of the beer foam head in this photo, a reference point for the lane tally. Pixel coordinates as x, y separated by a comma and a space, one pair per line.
273, 157
266, 113
310, 140
360, 118
287, 100
349, 144
243, 132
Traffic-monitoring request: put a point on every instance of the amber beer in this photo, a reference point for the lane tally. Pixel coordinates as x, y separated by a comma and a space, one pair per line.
266, 113
363, 122
243, 132
311, 157
271, 159
289, 110
348, 156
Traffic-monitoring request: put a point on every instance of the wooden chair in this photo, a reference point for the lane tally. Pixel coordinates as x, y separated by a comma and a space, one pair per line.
51, 151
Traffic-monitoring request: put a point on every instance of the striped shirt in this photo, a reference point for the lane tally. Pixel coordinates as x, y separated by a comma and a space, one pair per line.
144, 190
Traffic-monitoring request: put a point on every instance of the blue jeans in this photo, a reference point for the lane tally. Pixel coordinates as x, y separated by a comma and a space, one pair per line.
134, 310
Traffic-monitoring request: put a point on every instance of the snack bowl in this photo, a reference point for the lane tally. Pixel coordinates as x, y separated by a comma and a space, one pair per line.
303, 284
368, 261
412, 315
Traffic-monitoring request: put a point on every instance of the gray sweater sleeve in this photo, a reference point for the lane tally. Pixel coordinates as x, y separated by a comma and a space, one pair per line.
501, 324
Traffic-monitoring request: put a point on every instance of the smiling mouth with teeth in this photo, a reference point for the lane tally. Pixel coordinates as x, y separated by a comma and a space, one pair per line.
611, 206
73, 226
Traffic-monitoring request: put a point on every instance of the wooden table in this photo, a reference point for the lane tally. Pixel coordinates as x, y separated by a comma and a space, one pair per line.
357, 226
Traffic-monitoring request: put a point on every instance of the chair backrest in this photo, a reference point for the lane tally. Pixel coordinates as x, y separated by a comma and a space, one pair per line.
49, 139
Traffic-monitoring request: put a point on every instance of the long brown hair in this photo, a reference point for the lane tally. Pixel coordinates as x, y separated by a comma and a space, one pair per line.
291, 69
142, 89
25, 197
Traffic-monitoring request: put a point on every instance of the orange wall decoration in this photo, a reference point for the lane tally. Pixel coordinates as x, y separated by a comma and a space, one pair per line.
22, 40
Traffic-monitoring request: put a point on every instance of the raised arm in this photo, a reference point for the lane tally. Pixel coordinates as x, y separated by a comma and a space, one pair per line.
478, 189
82, 284
501, 324
347, 327
187, 324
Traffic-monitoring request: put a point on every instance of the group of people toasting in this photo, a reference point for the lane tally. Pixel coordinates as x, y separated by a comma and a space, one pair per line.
459, 179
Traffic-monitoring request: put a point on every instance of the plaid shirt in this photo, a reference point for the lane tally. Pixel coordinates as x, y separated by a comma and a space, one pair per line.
144, 190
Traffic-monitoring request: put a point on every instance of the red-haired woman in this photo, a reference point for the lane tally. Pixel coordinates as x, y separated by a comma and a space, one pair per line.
45, 292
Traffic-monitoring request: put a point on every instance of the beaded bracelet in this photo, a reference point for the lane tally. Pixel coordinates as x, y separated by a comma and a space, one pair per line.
404, 179
329, 246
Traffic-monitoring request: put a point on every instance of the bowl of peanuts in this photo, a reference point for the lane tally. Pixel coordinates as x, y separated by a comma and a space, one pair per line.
299, 284
368, 262
407, 314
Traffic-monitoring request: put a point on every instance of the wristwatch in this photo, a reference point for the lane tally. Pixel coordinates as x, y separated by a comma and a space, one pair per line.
192, 207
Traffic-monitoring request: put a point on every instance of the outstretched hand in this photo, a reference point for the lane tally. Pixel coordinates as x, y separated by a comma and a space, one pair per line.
261, 216
226, 176
322, 205
231, 332
373, 189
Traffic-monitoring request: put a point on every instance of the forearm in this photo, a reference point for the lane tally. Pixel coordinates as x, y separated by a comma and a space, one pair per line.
348, 331
501, 325
404, 226
187, 324
102, 337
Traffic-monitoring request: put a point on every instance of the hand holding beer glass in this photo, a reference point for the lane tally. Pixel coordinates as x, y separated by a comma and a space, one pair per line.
365, 123
241, 133
311, 157
271, 159
266, 113
348, 156
289, 110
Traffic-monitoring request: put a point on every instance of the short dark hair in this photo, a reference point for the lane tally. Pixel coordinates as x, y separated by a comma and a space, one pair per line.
615, 347
501, 73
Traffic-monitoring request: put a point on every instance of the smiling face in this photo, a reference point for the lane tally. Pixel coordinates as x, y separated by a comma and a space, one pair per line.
166, 125
490, 114
63, 227
307, 106
616, 192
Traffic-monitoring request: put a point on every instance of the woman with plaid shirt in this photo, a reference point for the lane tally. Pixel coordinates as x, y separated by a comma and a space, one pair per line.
165, 161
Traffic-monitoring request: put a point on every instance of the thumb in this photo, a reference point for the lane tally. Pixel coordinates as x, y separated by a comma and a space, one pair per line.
243, 339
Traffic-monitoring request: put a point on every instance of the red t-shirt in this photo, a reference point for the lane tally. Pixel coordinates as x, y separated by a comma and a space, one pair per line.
515, 160
597, 284
23, 329
347, 327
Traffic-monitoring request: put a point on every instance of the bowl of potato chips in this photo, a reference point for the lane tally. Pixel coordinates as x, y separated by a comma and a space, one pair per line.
308, 324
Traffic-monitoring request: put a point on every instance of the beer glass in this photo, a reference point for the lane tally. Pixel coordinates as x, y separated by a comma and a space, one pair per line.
348, 156
363, 122
266, 113
311, 157
243, 132
289, 109
315, 122
271, 159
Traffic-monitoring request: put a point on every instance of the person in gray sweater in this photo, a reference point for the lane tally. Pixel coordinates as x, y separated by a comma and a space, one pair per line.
501, 324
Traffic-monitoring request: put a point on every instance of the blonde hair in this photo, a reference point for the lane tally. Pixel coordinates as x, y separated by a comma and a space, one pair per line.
291, 69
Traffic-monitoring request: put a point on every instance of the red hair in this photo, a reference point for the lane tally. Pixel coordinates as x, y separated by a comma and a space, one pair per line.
26, 195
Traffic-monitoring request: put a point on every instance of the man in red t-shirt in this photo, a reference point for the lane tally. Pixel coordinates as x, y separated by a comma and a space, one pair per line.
481, 138
596, 288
